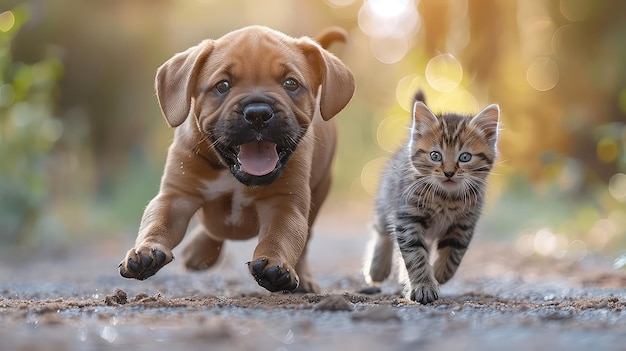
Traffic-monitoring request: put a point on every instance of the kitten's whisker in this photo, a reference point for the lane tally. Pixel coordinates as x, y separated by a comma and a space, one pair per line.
412, 190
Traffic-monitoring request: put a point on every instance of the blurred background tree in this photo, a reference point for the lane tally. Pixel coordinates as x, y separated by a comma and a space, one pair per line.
28, 131
83, 142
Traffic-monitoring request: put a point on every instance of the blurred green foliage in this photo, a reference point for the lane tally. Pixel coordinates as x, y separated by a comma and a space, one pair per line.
28, 132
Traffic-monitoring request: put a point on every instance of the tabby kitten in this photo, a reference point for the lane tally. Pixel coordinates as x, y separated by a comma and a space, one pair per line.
430, 197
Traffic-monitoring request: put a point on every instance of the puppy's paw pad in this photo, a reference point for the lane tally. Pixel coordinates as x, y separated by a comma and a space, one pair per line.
273, 277
143, 263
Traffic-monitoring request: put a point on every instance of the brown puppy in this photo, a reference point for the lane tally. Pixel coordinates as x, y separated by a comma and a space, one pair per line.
251, 155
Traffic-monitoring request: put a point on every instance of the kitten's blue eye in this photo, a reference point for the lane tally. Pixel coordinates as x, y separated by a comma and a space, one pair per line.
436, 156
465, 157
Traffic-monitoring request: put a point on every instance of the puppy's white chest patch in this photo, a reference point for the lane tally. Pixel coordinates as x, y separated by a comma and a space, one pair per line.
227, 185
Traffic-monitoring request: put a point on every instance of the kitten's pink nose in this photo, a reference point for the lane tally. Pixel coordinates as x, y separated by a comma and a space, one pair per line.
449, 174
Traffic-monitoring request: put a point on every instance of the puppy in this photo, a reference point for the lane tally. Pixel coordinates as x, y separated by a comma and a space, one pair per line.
251, 155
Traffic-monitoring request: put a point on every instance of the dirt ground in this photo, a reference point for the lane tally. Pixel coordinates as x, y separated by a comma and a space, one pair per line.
74, 299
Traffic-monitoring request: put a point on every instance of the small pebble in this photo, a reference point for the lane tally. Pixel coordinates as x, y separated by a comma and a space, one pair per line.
333, 303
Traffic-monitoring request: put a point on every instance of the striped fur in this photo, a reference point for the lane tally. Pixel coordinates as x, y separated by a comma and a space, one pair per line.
431, 196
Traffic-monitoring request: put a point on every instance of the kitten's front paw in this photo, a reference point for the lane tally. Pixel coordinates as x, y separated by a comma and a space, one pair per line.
423, 293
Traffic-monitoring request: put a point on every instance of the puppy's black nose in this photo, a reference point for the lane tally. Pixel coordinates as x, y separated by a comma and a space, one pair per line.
258, 114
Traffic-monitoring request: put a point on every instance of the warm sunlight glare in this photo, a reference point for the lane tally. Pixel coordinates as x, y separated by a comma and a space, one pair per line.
390, 25
387, 8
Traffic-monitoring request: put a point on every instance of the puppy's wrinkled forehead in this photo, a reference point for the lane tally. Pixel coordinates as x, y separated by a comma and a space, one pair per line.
257, 54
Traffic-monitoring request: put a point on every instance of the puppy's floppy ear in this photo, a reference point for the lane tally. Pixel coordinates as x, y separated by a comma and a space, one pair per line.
175, 82
336, 80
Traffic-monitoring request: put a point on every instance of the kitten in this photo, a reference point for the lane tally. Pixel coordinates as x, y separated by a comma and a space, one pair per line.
431, 195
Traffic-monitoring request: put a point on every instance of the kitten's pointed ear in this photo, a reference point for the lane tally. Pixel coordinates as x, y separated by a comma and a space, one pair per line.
487, 122
423, 117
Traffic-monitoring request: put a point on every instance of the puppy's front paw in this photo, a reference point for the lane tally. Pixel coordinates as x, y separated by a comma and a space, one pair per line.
423, 293
143, 262
273, 276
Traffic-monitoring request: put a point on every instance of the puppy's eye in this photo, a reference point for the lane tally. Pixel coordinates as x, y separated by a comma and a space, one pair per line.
436, 156
222, 87
291, 84
465, 157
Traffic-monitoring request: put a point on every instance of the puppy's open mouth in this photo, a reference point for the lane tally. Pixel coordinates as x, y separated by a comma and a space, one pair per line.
255, 163
257, 158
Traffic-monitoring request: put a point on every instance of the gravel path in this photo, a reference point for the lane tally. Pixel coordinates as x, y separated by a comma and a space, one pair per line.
75, 300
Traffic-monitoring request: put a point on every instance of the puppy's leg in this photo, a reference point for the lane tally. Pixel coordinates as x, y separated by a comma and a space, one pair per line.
318, 195
282, 240
202, 251
163, 226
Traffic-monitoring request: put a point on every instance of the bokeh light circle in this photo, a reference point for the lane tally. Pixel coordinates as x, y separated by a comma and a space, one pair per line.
607, 150
370, 174
543, 74
563, 39
575, 10
7, 21
393, 131
406, 88
389, 49
444, 72
617, 186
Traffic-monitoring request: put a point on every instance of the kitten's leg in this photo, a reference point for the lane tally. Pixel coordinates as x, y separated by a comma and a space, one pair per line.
422, 286
378, 259
451, 249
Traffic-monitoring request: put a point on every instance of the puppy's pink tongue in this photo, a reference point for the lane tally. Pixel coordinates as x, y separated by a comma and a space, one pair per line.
258, 157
